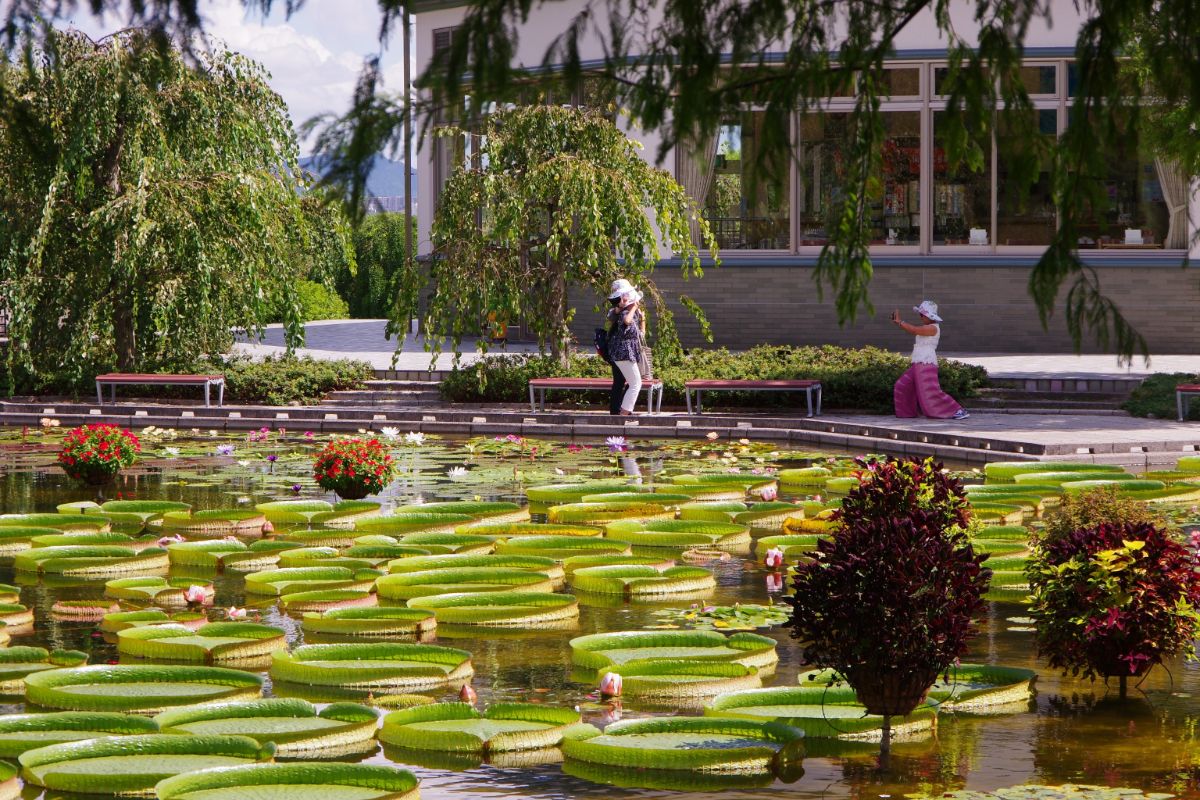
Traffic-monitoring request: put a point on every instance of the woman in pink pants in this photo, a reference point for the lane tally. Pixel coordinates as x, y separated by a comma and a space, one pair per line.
918, 392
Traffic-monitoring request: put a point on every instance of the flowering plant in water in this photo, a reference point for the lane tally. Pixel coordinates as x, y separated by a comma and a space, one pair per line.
1114, 599
354, 467
510, 446
617, 444
97, 452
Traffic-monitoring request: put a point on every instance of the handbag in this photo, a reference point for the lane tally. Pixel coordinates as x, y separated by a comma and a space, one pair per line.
600, 339
644, 366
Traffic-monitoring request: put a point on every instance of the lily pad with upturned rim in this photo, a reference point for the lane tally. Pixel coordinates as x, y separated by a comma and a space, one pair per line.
326, 600
15, 539
604, 513
306, 579
215, 522
133, 764
165, 592
439, 543
214, 643
294, 726
120, 620
546, 566
21, 732
224, 554
296, 781
407, 585
18, 663
601, 651
680, 534
642, 580
91, 562
61, 522
370, 622
491, 511
499, 609
819, 711
372, 666
461, 728
143, 689
560, 548
683, 683
413, 522
702, 744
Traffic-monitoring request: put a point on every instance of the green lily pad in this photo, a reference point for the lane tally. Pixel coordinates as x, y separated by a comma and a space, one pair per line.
819, 711
91, 562
18, 663
407, 585
165, 592
414, 522
21, 732
299, 781
560, 547
372, 666
460, 728
642, 580
294, 726
307, 579
612, 650
680, 534
500, 609
371, 622
214, 643
140, 689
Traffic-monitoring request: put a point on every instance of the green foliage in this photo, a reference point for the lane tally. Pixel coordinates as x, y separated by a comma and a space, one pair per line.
302, 781
508, 609
318, 301
150, 203
137, 688
556, 197
1155, 396
374, 291
859, 378
21, 732
389, 622
614, 650
292, 725
286, 380
1104, 505
366, 666
820, 711
458, 727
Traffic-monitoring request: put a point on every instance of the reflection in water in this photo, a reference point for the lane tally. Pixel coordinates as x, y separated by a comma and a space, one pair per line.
1076, 732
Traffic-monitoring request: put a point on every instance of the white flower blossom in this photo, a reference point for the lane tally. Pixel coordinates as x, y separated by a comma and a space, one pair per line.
413, 437
390, 433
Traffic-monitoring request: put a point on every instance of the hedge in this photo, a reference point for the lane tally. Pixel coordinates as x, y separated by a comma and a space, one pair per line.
851, 378
1155, 397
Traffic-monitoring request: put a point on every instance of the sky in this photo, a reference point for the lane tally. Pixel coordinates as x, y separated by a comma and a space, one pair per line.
314, 57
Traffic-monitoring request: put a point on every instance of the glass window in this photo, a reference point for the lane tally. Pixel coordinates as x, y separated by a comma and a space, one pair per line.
747, 199
893, 208
941, 80
1025, 211
1131, 211
1040, 79
962, 198
901, 82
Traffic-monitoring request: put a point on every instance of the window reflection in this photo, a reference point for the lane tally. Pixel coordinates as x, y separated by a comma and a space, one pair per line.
1025, 215
962, 199
746, 197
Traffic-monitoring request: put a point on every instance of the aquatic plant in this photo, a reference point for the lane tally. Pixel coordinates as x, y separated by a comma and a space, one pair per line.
21, 732
499, 609
372, 666
600, 651
91, 562
95, 453
354, 468
333, 781
370, 622
18, 663
460, 728
407, 585
820, 710
214, 643
295, 727
642, 580
141, 689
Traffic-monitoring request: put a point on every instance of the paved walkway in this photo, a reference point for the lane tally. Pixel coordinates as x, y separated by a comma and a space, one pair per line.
366, 340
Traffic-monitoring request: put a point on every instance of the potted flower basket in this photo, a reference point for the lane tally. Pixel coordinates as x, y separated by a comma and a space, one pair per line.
1113, 600
354, 468
862, 611
95, 454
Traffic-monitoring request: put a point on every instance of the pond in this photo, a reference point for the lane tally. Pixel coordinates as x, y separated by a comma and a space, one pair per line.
1071, 732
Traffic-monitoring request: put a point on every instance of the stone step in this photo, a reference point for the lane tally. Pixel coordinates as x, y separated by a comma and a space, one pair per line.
1102, 384
1030, 404
1051, 397
389, 385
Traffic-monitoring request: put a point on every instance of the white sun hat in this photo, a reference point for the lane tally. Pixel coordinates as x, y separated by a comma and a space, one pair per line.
928, 308
622, 287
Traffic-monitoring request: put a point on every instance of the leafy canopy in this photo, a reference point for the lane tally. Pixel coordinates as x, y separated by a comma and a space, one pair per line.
554, 197
150, 205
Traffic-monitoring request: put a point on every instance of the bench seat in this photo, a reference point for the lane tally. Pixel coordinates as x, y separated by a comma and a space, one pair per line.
811, 389
1183, 394
114, 379
538, 387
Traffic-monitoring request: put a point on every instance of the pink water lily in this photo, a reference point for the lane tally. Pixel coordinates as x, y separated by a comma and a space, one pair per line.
774, 583
233, 612
774, 559
769, 493
268, 527
198, 595
164, 541
468, 695
610, 685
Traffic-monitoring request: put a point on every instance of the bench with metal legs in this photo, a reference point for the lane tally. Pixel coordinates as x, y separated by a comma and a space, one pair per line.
114, 379
811, 389
538, 386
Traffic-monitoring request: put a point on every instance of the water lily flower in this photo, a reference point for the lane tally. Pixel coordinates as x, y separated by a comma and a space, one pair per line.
212, 432
272, 458
163, 541
172, 451
390, 433
243, 500
712, 436
468, 695
308, 434
296, 488
233, 612
769, 493
456, 472
243, 462
198, 595
412, 437
743, 441
610, 685
558, 471
268, 527
224, 449
616, 444
774, 582
774, 559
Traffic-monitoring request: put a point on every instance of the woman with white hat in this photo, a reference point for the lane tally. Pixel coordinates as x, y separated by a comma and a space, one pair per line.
918, 391
626, 340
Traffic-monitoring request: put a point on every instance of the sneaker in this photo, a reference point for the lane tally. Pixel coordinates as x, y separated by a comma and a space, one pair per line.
960, 414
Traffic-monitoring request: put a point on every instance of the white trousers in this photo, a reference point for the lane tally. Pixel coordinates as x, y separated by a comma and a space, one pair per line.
633, 377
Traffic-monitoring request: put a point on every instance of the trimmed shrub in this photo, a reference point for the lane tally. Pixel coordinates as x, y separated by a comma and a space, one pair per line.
858, 378
282, 380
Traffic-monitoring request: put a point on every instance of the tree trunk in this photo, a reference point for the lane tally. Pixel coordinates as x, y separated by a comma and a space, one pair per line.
560, 344
124, 332
885, 745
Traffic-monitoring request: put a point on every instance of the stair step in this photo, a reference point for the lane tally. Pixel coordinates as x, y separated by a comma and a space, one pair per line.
381, 384
1052, 397
1024, 403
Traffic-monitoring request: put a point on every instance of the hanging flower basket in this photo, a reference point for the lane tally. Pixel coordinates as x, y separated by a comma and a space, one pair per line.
95, 454
354, 468
891, 694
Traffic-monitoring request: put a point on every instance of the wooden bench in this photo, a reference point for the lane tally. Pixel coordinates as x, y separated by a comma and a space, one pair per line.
538, 386
811, 389
114, 379
1183, 393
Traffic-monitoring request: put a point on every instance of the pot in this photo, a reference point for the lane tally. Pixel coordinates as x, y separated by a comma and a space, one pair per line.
893, 694
356, 492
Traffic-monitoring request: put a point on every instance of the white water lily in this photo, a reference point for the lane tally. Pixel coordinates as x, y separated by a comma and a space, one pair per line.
172, 451
390, 433
243, 463
456, 472
558, 471
412, 437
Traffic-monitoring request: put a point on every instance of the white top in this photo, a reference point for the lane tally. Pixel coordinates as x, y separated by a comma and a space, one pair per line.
925, 347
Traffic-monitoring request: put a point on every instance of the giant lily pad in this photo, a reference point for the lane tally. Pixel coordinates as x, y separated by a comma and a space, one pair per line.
214, 523
437, 543
769, 516
307, 579
572, 564
294, 726
682, 682
981, 688
603, 513
321, 557
120, 620
499, 609
819, 711
91, 562
493, 512
611, 650
62, 522
704, 744
16, 617
382, 622
805, 476
165, 592
460, 728
301, 781
18, 663
680, 534
414, 522
133, 764
227, 554
91, 539
642, 580
408, 585
793, 545
712, 511
542, 496
506, 530
372, 666
546, 566
21, 732
10, 593
14, 538
560, 547
326, 600
214, 643
1009, 470
308, 512
1060, 478
142, 689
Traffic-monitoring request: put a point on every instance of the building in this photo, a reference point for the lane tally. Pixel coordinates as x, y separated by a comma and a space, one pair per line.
954, 237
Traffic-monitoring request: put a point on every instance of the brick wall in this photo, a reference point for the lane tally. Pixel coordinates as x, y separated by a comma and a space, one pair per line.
986, 308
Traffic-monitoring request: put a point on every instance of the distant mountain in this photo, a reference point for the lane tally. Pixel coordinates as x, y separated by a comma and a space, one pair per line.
386, 180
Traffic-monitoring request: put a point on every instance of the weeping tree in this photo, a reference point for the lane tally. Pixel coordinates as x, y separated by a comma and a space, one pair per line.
552, 199
149, 204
